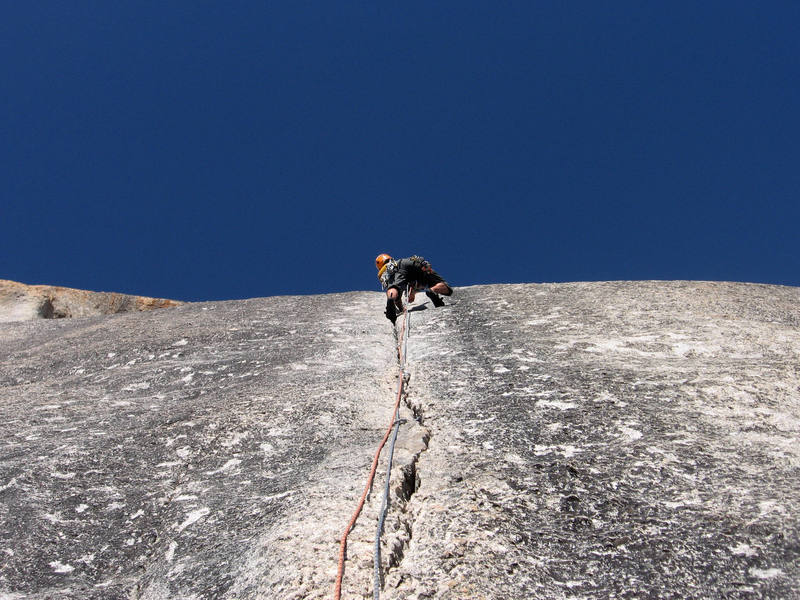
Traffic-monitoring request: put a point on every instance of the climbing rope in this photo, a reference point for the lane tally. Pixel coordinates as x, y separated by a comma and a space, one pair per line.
376, 560
393, 424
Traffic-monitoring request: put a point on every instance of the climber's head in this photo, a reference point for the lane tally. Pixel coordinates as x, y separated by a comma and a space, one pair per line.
381, 260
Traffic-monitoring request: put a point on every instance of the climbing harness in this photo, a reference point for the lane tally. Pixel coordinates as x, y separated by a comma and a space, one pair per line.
386, 271
394, 425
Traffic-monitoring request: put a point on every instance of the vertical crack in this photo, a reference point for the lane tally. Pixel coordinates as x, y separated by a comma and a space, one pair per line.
399, 527
404, 479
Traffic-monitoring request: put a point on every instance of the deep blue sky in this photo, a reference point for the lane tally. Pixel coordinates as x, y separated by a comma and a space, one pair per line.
216, 150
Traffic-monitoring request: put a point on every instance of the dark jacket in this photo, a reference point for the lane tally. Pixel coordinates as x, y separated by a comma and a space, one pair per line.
414, 270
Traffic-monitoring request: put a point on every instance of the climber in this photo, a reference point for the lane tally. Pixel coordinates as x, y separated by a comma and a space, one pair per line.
409, 274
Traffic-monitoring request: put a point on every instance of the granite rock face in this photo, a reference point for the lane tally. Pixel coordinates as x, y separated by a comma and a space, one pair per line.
608, 440
590, 440
21, 302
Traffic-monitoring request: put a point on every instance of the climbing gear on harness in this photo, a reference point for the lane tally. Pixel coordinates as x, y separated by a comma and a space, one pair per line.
386, 271
382, 262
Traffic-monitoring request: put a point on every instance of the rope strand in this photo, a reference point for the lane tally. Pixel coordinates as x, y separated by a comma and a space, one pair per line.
337, 590
376, 560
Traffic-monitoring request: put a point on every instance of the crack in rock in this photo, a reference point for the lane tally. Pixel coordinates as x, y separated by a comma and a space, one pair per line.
413, 440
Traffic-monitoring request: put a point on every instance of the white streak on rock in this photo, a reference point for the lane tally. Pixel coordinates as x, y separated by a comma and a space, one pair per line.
630, 434
514, 458
185, 498
193, 517
136, 386
170, 554
769, 506
743, 550
766, 573
277, 496
555, 404
227, 466
59, 567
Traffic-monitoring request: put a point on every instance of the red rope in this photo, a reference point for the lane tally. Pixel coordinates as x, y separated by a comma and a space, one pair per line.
337, 590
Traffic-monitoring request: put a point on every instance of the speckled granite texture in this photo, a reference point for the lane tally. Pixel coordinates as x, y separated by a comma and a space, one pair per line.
588, 440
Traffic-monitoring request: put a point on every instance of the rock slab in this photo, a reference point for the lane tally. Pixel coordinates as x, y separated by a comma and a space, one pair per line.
588, 440
608, 440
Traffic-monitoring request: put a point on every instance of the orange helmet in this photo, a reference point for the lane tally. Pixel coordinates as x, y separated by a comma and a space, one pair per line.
381, 260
